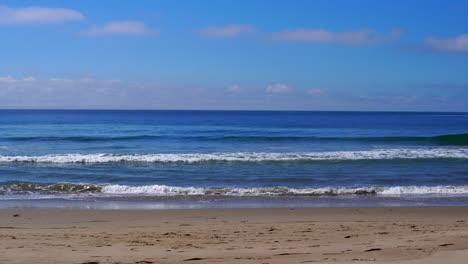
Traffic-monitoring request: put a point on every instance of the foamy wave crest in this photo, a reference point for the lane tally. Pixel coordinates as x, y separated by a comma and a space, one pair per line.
382, 154
163, 190
43, 188
397, 190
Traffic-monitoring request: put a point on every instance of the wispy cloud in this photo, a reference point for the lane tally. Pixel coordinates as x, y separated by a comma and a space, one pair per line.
10, 79
235, 88
129, 28
91, 93
455, 44
34, 15
64, 92
362, 36
314, 92
7, 79
29, 79
227, 31
278, 88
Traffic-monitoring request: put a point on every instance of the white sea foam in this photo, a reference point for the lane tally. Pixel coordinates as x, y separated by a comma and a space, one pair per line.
382, 154
164, 190
397, 190
157, 190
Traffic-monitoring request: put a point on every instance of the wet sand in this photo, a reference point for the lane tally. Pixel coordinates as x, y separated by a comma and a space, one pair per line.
335, 235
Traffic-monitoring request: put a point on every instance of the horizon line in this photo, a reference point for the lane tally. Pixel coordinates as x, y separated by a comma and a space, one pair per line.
223, 110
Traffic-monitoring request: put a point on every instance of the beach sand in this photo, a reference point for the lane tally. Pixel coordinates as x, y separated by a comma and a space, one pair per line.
335, 235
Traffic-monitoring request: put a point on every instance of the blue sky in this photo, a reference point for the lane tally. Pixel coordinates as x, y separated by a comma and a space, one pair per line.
251, 55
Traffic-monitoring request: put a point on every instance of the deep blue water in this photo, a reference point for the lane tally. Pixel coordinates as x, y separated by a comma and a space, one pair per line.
133, 154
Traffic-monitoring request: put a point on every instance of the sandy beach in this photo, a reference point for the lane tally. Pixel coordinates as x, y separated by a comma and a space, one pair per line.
335, 235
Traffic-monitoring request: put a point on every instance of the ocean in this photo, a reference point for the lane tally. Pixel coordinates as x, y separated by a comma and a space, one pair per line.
192, 159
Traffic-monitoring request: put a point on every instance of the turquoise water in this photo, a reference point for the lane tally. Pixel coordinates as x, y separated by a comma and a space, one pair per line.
236, 156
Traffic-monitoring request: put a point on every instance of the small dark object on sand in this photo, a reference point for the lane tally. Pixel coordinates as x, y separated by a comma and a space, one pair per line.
192, 259
372, 249
446, 244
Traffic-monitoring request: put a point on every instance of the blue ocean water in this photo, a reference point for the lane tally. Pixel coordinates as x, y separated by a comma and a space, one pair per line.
201, 155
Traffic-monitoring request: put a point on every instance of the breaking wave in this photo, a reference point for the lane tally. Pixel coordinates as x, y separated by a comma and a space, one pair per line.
164, 190
382, 154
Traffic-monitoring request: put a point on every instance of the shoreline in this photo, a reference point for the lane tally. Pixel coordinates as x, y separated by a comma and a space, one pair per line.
231, 202
268, 235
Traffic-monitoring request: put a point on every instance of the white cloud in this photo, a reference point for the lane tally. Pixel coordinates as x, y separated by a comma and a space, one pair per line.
234, 88
278, 88
7, 79
314, 92
29, 79
33, 15
227, 31
362, 36
59, 80
455, 44
131, 28
89, 93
